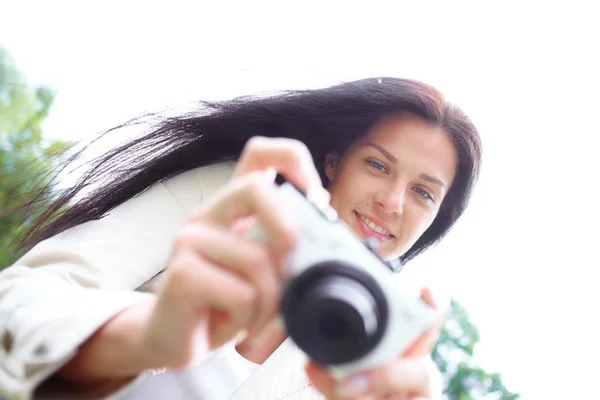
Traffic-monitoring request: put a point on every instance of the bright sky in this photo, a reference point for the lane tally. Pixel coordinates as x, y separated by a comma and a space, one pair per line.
522, 259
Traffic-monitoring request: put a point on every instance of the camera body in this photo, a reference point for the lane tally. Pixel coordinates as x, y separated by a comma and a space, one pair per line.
343, 305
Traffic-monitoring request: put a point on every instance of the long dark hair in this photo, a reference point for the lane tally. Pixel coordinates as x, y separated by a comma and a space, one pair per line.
328, 119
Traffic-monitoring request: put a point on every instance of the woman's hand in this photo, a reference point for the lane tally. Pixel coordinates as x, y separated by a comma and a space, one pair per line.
218, 283
412, 375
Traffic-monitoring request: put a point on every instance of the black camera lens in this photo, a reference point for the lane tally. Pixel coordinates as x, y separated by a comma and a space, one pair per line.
334, 314
332, 326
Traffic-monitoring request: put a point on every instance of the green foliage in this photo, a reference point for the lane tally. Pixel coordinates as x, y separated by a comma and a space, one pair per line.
26, 159
453, 355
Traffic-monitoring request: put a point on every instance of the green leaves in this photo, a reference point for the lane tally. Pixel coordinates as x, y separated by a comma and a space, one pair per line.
26, 159
453, 355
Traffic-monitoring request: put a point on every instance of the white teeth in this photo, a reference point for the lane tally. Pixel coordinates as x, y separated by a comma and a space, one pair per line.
374, 227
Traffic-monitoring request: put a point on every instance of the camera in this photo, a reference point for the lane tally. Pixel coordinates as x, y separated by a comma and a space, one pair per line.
343, 305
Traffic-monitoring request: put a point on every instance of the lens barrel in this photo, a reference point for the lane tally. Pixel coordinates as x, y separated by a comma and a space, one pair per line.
335, 312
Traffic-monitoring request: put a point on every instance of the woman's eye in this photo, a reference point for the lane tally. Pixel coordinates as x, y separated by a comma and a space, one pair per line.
377, 165
424, 193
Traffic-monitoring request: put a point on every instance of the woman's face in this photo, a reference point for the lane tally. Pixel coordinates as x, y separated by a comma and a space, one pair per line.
391, 183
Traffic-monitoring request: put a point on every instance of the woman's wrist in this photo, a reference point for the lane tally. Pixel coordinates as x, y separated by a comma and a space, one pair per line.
116, 350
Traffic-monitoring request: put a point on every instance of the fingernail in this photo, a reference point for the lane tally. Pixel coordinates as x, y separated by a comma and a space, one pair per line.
355, 386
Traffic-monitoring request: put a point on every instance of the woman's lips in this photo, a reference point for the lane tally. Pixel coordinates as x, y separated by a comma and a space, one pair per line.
368, 231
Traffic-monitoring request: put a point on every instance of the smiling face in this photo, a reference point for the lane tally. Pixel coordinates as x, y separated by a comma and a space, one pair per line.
390, 184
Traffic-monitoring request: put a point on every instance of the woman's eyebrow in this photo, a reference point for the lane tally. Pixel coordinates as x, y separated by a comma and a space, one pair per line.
433, 180
383, 151
394, 160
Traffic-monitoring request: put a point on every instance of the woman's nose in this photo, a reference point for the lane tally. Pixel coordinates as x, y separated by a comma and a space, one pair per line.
392, 199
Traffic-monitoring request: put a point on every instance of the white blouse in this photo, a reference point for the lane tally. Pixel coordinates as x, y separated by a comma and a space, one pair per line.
216, 378
61, 291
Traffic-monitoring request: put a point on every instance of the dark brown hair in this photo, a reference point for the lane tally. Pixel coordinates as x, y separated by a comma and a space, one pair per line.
328, 119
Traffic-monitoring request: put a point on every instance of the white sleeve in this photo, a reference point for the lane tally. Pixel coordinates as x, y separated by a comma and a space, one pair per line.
66, 287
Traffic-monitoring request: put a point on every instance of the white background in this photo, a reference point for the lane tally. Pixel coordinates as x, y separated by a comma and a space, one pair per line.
523, 259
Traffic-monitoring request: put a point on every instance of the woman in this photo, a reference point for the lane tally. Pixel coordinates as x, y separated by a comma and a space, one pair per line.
151, 269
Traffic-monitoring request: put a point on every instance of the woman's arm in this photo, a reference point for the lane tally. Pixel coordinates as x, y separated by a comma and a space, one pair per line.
115, 350
56, 300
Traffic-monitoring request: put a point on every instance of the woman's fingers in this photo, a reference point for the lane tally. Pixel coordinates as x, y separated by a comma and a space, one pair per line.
213, 233
200, 285
412, 374
289, 157
415, 376
402, 377
426, 342
252, 195
225, 268
250, 260
321, 379
435, 300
